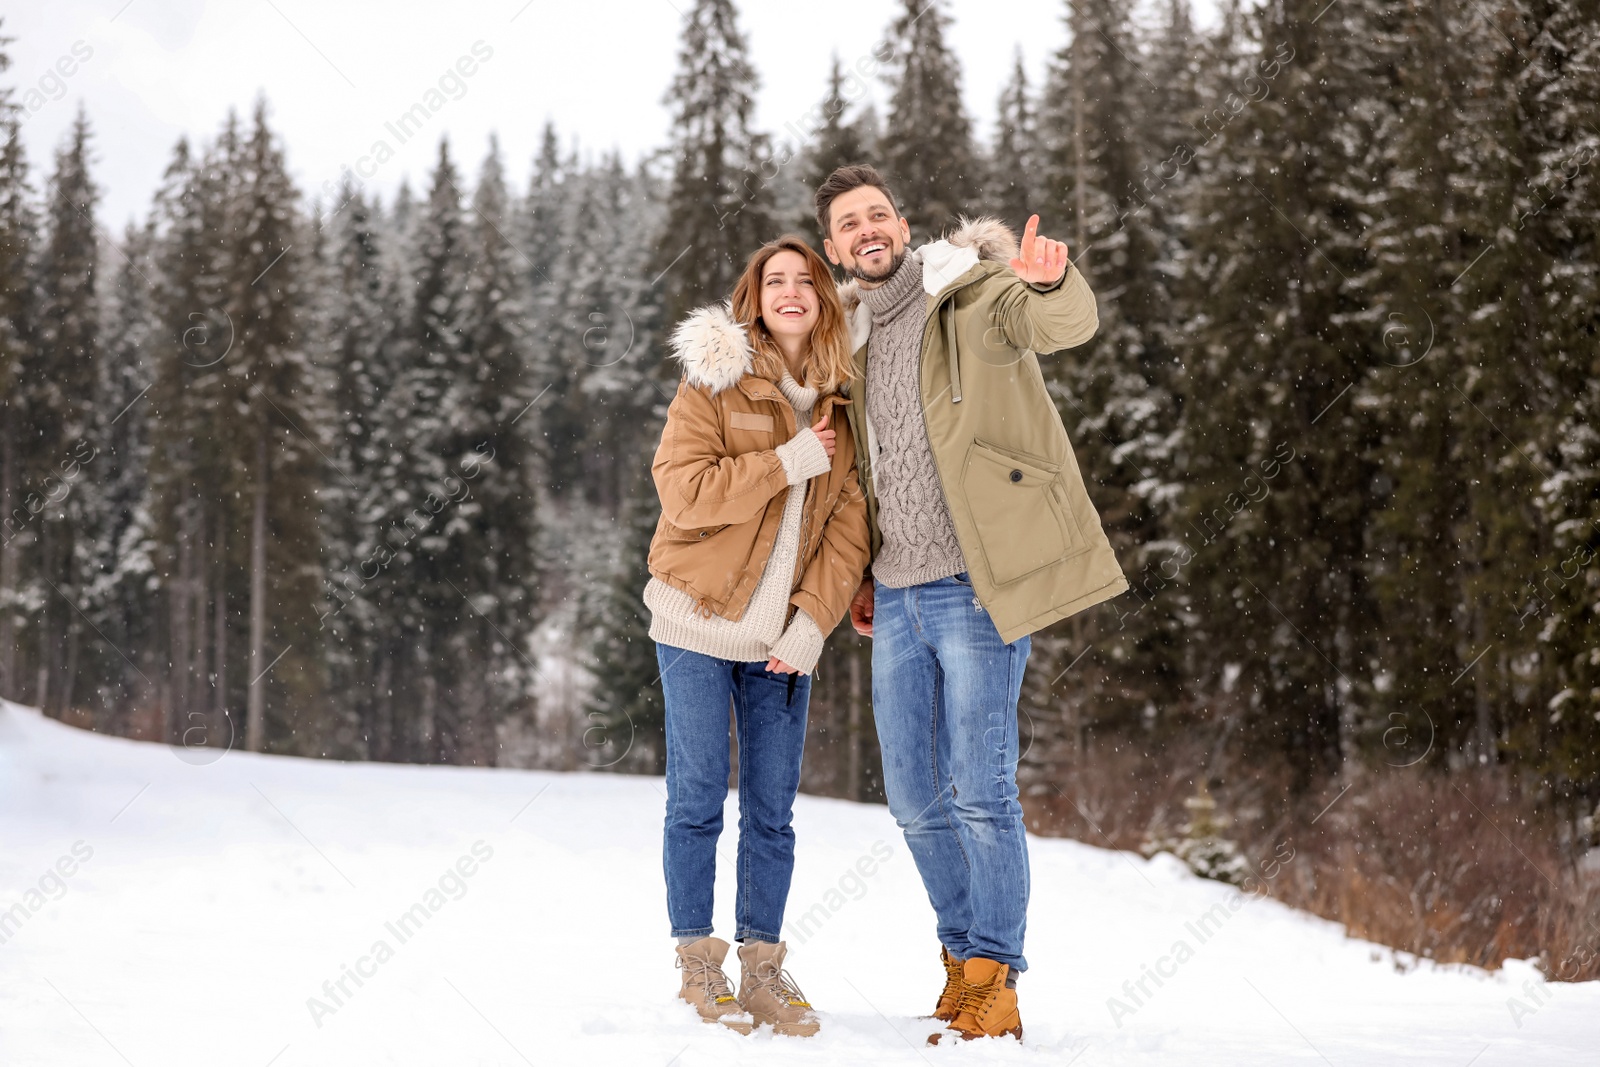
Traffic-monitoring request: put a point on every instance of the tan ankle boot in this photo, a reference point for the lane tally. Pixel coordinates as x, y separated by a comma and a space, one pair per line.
706, 987
769, 994
945, 1009
985, 1007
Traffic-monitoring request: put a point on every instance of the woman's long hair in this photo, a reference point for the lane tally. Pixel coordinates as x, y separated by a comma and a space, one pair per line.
827, 361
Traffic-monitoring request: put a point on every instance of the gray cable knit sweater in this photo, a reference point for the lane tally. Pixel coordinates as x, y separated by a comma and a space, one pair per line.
919, 539
760, 631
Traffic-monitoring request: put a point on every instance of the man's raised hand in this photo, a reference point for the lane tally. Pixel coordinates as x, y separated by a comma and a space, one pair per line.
1040, 261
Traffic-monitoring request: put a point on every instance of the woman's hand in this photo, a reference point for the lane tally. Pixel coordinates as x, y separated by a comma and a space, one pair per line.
825, 435
861, 609
777, 666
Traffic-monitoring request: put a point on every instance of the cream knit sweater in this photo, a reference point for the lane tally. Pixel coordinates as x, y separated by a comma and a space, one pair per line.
759, 633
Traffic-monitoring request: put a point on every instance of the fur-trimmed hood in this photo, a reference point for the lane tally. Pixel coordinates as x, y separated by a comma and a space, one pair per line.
943, 261
713, 348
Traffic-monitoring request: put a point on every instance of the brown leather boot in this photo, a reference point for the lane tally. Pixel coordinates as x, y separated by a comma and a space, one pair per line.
770, 995
945, 1010
706, 987
985, 1007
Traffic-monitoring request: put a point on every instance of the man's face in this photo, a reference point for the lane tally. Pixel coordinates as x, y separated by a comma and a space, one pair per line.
865, 236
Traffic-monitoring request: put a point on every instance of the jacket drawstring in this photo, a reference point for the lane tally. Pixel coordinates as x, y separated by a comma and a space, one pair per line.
702, 607
949, 313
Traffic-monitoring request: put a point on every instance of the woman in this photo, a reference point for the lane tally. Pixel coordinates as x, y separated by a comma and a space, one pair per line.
761, 544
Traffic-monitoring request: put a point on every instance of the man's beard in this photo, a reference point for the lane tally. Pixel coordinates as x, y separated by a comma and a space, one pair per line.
861, 275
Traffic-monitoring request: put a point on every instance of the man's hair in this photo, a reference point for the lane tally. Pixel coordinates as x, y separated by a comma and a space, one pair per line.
842, 181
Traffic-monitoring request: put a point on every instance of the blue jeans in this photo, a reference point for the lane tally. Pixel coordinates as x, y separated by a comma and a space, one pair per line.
944, 694
771, 730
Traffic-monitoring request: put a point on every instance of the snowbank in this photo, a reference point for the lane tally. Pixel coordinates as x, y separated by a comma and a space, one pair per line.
266, 910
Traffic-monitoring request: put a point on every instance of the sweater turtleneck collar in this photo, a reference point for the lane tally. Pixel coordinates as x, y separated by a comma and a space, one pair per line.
802, 397
891, 298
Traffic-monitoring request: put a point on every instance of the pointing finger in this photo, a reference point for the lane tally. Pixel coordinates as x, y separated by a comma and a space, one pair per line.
1030, 233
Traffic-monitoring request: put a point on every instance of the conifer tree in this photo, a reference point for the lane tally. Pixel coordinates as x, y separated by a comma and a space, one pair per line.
1015, 188
1427, 438
416, 538
18, 311
622, 723
279, 391
1275, 469
1116, 393
499, 572
839, 141
622, 377
1552, 297
355, 317
57, 382
927, 146
192, 480
719, 206
118, 561
625, 723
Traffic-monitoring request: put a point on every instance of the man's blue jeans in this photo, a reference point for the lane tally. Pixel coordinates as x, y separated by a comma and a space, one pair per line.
944, 694
771, 729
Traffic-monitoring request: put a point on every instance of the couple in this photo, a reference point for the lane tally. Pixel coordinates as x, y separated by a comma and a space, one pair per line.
890, 449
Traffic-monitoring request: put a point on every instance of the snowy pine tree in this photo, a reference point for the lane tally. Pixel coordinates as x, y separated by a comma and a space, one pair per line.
1116, 393
719, 206
277, 388
840, 140
57, 382
18, 316
926, 147
119, 560
1275, 467
1015, 187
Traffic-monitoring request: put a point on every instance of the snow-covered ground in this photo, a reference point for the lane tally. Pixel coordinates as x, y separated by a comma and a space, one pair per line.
155, 912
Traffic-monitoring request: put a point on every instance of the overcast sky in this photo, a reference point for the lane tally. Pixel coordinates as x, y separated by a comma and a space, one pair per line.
334, 72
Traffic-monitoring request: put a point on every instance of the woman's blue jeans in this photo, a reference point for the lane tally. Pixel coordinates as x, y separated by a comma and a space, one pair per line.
944, 694
771, 728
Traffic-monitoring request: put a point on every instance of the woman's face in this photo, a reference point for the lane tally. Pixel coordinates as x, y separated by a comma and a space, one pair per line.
788, 298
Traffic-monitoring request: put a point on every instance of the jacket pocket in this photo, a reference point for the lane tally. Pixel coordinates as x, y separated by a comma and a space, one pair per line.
1016, 505
671, 533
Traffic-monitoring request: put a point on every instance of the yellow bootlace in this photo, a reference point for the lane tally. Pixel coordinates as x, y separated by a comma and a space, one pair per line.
787, 989
975, 999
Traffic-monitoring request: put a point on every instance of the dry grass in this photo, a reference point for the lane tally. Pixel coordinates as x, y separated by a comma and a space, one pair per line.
1458, 868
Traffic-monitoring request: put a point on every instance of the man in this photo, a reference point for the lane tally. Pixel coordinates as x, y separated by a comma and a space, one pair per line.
982, 532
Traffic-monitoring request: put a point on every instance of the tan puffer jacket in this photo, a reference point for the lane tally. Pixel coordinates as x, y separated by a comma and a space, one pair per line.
723, 485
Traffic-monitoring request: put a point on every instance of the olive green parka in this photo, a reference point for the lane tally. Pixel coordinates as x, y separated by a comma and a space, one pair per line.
1031, 537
